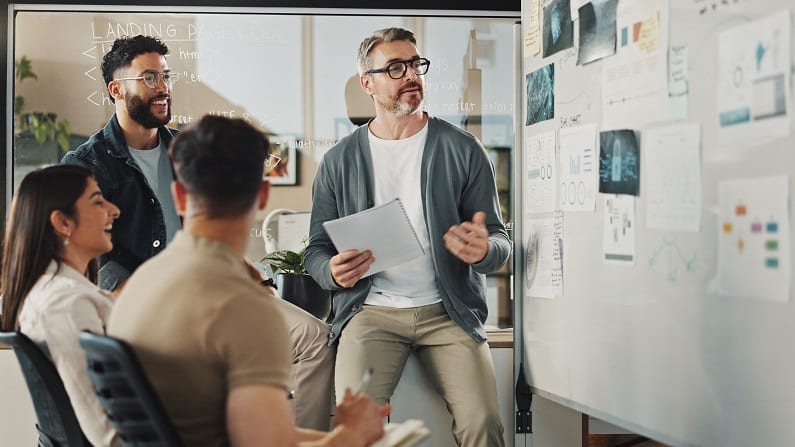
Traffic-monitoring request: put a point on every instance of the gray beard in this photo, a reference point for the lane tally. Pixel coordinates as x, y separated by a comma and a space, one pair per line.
402, 108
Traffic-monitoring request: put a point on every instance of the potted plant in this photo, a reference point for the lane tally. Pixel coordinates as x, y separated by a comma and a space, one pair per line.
43, 126
294, 283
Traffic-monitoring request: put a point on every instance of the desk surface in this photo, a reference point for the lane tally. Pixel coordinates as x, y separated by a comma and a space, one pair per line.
500, 339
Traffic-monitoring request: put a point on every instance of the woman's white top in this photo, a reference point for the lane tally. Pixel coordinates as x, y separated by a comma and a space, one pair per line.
58, 307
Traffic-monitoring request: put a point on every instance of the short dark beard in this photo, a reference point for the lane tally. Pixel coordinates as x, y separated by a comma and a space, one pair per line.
139, 112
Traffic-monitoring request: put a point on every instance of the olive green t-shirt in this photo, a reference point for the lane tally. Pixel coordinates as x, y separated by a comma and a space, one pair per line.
201, 326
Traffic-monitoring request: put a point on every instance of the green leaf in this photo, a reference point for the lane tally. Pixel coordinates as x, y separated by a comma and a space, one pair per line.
286, 261
63, 141
19, 103
24, 70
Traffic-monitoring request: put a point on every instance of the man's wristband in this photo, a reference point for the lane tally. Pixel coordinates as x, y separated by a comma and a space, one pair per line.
269, 283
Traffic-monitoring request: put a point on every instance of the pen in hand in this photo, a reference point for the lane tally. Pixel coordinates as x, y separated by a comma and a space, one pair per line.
362, 386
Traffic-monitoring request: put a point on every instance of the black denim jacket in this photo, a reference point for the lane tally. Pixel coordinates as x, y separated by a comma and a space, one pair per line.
140, 231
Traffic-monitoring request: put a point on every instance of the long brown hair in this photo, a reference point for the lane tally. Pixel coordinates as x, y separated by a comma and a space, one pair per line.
30, 242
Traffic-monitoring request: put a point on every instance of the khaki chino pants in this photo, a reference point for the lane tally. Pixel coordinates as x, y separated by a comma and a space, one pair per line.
460, 369
312, 369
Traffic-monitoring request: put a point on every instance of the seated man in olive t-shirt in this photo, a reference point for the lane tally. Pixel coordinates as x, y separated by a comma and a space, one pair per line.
210, 339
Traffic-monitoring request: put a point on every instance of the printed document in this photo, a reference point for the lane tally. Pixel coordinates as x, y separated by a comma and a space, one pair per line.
385, 230
753, 238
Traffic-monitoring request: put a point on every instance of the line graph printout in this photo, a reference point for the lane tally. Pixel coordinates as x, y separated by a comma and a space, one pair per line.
635, 80
673, 177
540, 173
579, 168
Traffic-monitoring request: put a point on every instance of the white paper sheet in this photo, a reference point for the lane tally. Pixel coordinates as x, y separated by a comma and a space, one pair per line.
635, 80
672, 156
544, 278
618, 241
754, 81
579, 168
292, 229
386, 230
678, 82
531, 12
753, 238
540, 173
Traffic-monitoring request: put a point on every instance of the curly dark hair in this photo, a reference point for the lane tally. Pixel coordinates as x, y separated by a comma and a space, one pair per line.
124, 50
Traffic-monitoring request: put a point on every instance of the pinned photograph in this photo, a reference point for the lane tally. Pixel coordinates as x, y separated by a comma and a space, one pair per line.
619, 162
540, 86
597, 30
558, 31
281, 166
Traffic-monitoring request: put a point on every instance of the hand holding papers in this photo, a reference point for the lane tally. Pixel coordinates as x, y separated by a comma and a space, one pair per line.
385, 230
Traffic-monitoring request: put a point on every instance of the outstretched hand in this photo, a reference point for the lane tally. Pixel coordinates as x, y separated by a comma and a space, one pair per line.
469, 241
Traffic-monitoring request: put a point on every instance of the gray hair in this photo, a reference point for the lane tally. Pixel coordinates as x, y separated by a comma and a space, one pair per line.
363, 59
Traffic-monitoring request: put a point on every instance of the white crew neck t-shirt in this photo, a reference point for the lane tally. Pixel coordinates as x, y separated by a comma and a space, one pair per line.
396, 169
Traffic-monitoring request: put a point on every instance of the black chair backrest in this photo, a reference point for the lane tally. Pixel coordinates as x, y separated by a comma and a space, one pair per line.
126, 394
56, 421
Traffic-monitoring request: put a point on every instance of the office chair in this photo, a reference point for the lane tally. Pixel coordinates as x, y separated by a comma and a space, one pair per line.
126, 394
55, 418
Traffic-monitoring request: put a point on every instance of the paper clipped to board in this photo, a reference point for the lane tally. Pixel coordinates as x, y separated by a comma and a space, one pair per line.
385, 230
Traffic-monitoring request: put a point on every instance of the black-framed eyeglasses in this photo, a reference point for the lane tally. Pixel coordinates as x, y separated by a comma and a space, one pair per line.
150, 78
397, 69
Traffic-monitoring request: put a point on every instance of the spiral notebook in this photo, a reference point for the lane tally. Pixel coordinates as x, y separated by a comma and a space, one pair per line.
384, 229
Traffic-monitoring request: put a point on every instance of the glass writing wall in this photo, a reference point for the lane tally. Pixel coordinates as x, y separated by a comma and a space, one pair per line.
293, 76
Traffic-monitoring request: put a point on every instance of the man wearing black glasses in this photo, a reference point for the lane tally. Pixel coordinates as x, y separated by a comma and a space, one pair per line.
433, 305
129, 157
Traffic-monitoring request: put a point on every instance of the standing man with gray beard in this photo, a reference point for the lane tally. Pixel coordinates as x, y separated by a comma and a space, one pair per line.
435, 305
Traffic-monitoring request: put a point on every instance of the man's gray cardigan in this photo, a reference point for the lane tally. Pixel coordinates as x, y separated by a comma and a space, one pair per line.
457, 180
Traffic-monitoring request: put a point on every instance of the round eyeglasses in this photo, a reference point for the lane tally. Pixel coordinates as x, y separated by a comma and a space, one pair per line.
151, 78
398, 69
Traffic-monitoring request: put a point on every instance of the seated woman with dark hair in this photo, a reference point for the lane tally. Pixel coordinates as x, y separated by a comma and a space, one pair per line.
59, 224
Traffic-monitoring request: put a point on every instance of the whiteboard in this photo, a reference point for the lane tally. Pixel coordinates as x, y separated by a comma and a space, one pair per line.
659, 345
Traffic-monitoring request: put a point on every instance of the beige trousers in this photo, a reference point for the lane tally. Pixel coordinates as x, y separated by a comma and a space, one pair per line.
460, 369
312, 369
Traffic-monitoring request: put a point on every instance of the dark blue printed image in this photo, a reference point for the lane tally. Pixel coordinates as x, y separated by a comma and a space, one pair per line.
540, 86
558, 32
619, 162
597, 30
